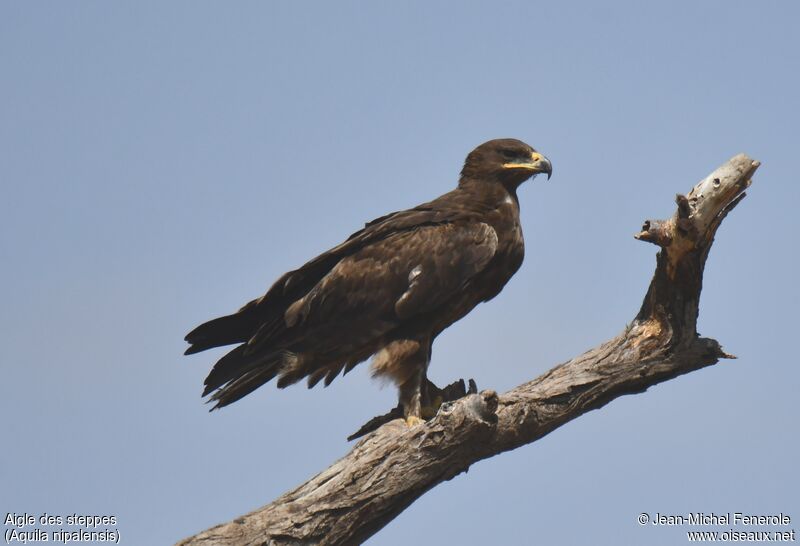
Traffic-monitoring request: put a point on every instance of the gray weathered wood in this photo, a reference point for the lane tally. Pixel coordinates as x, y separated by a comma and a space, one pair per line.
389, 469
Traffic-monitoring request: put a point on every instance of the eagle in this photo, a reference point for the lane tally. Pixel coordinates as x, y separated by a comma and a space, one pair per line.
386, 292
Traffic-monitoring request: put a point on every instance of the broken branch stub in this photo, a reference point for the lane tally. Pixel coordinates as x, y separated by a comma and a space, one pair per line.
672, 302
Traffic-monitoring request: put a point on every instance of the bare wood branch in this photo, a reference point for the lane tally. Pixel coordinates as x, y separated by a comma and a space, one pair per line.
392, 467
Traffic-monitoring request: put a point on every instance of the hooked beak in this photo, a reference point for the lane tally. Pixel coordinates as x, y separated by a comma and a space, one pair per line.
537, 163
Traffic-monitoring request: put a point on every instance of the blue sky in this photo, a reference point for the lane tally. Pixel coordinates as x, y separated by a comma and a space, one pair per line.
163, 163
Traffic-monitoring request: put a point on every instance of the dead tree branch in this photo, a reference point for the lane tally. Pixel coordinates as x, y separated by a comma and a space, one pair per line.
392, 467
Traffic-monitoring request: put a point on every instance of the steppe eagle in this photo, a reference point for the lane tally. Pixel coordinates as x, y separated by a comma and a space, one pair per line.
386, 292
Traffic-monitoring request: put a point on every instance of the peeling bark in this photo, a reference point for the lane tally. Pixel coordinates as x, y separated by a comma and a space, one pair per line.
390, 468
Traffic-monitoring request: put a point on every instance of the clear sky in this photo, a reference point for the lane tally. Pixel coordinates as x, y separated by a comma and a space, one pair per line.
163, 162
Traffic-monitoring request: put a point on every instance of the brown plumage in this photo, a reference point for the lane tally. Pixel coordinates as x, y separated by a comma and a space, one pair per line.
387, 291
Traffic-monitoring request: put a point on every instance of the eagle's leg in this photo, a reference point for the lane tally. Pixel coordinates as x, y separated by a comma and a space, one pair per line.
414, 390
406, 361
411, 397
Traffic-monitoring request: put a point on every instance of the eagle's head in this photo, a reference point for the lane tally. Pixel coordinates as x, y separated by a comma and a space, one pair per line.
506, 160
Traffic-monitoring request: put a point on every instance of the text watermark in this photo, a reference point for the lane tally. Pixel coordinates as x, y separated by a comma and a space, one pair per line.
28, 528
735, 526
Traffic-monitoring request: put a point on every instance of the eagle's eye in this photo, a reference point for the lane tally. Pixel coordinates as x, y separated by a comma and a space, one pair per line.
508, 154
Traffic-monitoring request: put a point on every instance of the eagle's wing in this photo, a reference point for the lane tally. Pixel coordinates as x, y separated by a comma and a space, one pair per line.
266, 313
396, 278
337, 323
448, 259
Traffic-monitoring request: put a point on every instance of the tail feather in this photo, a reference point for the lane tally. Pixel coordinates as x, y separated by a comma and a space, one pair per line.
242, 386
237, 362
240, 372
226, 369
227, 330
237, 375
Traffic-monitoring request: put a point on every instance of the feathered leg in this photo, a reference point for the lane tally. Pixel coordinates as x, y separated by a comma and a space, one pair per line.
411, 397
406, 362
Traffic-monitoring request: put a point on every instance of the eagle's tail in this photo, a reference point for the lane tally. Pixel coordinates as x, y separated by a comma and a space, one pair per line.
237, 374
227, 330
